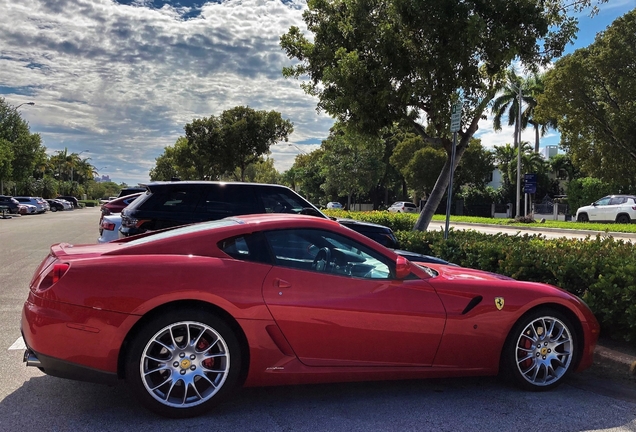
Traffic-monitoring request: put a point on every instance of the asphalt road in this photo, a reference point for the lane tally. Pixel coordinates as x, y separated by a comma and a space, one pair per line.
30, 400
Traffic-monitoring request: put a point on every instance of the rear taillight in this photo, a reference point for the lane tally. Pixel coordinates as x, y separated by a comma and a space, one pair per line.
633, 207
53, 276
109, 226
130, 222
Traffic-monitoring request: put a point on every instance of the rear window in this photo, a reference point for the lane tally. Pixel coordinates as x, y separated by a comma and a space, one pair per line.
203, 226
171, 200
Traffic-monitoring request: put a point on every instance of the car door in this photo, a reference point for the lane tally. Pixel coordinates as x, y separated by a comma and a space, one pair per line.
337, 303
599, 210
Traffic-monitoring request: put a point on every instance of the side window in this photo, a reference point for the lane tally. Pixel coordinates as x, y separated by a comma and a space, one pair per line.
229, 200
326, 252
250, 247
281, 200
184, 200
603, 201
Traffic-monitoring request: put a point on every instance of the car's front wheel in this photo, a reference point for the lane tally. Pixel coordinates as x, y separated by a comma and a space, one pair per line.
541, 349
582, 217
183, 363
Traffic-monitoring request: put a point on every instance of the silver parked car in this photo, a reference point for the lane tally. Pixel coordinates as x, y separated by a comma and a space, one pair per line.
41, 205
109, 228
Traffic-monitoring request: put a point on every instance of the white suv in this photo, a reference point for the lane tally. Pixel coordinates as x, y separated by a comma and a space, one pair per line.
403, 207
612, 208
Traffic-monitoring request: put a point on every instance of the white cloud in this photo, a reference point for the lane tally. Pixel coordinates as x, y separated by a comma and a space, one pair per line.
123, 80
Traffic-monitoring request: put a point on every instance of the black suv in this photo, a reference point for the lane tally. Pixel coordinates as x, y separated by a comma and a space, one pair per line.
10, 203
168, 204
131, 190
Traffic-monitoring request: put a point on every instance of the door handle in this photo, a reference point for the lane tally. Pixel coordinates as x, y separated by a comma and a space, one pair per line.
279, 283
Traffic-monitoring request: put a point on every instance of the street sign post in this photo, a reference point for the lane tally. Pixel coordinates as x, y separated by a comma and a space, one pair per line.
456, 117
529, 187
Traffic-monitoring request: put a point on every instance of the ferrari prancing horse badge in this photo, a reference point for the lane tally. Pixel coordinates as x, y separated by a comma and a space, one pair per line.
499, 302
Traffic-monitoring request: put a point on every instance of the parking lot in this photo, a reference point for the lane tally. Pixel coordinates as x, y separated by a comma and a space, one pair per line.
31, 400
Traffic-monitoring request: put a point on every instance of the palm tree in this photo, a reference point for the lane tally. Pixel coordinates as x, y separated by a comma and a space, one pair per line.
507, 103
532, 87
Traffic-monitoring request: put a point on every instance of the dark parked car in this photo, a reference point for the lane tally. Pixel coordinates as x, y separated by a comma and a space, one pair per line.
131, 190
9, 202
70, 199
117, 205
170, 204
55, 205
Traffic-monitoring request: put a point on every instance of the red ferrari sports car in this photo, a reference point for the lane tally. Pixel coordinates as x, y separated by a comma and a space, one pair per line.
186, 315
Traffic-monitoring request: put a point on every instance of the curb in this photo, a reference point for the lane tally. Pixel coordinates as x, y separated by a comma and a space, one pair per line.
617, 358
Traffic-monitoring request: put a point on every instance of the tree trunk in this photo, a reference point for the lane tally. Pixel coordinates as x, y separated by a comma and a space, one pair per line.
436, 195
536, 138
349, 202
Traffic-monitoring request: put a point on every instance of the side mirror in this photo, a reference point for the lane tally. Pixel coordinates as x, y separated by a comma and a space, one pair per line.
593, 204
402, 267
310, 211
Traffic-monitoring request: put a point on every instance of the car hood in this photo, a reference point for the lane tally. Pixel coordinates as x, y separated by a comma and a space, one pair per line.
451, 272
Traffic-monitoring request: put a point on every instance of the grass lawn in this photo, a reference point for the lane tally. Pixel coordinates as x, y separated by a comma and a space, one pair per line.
610, 227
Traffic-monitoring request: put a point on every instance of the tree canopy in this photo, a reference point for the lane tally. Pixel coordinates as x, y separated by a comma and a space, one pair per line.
592, 95
375, 63
225, 146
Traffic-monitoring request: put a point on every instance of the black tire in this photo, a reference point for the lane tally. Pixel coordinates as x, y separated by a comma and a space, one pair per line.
582, 218
541, 350
623, 219
53, 209
210, 362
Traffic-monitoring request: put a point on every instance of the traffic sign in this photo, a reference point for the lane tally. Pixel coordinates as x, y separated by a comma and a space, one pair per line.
530, 188
456, 117
530, 178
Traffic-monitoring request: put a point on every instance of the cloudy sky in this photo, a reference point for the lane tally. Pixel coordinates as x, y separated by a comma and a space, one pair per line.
118, 79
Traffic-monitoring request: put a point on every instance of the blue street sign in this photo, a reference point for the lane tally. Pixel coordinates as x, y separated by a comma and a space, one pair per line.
530, 188
530, 178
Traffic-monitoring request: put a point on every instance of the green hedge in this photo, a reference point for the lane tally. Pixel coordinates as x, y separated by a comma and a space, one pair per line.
601, 270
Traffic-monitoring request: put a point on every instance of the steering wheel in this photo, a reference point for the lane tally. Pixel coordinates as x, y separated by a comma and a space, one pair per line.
322, 260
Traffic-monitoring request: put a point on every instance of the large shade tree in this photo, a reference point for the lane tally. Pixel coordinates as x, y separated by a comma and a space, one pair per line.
592, 94
374, 63
351, 162
237, 138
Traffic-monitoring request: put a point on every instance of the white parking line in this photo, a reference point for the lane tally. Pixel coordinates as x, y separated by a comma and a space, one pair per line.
18, 344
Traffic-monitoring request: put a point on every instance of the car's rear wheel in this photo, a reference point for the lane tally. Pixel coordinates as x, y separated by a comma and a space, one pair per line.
53, 209
183, 363
622, 219
541, 349
583, 218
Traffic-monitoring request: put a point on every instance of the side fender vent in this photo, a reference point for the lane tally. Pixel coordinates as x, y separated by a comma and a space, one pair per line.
471, 304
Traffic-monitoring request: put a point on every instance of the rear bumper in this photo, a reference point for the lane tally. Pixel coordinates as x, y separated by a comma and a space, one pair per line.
62, 369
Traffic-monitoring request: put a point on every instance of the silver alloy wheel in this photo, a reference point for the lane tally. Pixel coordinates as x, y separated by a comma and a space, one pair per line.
544, 351
185, 364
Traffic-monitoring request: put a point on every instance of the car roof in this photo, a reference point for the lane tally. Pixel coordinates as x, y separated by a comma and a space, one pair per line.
204, 182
